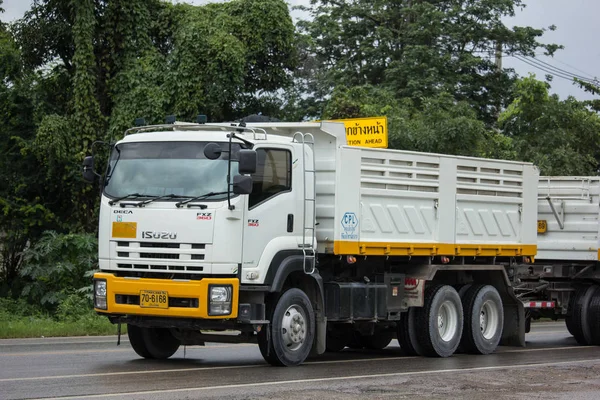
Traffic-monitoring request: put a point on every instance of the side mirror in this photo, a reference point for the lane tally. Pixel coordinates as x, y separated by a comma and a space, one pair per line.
247, 161
242, 184
88, 169
212, 151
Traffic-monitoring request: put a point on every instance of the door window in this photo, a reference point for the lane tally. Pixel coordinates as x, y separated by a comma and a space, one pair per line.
273, 175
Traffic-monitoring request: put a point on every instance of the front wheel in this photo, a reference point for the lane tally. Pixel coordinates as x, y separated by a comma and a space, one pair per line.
157, 343
291, 333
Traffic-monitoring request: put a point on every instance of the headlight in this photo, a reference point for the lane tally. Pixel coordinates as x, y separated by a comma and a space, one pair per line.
219, 300
100, 294
100, 288
220, 294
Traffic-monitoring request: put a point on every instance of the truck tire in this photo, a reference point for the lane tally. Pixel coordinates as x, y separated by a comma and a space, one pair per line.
379, 340
291, 331
153, 343
483, 319
594, 317
407, 334
440, 321
580, 323
569, 317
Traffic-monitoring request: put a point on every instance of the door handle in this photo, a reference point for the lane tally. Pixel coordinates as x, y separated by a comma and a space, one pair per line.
290, 223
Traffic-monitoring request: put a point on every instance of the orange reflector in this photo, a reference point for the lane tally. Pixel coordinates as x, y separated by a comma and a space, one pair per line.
125, 230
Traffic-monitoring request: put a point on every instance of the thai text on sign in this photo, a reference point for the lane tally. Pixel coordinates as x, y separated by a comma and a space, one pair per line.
366, 132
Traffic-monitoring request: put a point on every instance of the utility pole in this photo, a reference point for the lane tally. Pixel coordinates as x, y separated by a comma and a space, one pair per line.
499, 71
499, 56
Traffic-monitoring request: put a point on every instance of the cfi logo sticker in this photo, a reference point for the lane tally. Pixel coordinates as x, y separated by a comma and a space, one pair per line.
253, 222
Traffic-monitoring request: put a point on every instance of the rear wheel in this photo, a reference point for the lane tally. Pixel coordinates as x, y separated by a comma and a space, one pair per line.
483, 319
440, 321
579, 315
291, 333
157, 343
594, 317
407, 334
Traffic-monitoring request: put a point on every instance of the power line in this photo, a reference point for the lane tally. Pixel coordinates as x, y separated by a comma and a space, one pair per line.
560, 70
553, 73
575, 68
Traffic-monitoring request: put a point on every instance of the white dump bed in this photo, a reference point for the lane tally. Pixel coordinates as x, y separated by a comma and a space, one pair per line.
568, 210
390, 202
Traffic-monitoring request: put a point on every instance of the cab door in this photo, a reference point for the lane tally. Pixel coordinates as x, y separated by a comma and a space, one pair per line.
272, 220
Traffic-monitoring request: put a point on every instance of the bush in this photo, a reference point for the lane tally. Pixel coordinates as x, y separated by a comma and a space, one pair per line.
74, 307
57, 266
19, 308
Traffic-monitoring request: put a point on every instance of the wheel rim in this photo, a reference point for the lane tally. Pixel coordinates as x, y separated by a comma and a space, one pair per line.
447, 321
488, 319
293, 327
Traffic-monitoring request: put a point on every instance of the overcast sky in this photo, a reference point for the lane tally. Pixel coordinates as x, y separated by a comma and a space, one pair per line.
578, 30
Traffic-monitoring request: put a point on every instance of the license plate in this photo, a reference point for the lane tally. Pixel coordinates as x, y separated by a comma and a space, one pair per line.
154, 299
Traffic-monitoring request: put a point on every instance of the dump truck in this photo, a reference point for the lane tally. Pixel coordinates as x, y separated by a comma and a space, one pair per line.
282, 234
563, 281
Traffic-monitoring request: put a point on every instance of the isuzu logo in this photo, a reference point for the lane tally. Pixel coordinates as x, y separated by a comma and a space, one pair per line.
159, 235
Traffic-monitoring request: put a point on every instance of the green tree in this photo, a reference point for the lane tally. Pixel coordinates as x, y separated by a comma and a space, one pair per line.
560, 137
418, 48
76, 71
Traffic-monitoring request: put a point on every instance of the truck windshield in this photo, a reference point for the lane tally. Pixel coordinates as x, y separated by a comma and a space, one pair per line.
160, 168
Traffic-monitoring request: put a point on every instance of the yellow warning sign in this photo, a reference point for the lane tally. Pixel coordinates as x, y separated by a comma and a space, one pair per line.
366, 132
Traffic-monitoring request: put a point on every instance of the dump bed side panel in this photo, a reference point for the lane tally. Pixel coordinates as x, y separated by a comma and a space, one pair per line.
572, 233
392, 202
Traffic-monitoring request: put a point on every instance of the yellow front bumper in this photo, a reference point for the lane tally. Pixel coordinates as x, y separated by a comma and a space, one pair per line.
186, 290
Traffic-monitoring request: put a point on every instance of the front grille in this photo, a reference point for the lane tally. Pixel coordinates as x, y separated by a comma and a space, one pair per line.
181, 302
160, 245
155, 256
146, 267
161, 255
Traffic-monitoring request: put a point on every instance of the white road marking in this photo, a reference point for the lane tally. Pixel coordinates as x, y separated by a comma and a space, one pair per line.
36, 378
315, 380
41, 353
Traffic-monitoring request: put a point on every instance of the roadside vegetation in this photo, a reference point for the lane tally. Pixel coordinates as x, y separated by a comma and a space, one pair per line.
55, 291
76, 72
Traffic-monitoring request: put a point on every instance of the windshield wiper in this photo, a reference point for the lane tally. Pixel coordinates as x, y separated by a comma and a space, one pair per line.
203, 196
155, 198
127, 196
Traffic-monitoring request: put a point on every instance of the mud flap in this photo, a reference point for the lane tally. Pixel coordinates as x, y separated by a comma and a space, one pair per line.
320, 335
513, 333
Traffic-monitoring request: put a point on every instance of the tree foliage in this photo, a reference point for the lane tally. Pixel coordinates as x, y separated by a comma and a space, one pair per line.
76, 71
560, 137
418, 48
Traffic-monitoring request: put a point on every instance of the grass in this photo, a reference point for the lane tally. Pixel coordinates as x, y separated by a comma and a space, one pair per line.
73, 317
30, 327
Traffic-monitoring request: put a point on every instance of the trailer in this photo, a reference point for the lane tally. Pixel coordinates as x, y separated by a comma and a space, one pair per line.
563, 283
284, 234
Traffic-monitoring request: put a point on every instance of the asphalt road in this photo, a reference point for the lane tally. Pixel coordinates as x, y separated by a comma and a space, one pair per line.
551, 366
